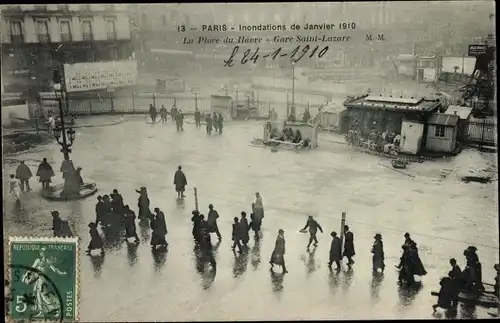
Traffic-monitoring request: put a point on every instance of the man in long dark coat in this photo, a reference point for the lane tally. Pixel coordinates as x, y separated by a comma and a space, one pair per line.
335, 251
278, 255
173, 113
163, 114
215, 122
349, 245
244, 228
100, 210
197, 118
455, 275
23, 174
208, 121
56, 224
313, 226
180, 182
236, 235
196, 219
152, 113
159, 227
220, 123
130, 228
378, 254
143, 204
212, 217
45, 173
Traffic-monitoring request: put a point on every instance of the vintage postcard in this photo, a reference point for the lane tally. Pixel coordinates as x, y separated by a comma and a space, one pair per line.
250, 161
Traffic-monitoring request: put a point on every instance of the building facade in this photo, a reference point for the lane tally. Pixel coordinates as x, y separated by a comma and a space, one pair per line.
36, 39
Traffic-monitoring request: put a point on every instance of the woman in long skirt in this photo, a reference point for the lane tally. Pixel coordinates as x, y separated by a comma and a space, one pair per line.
278, 255
95, 239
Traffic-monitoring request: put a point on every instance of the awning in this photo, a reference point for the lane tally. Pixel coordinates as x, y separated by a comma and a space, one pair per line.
461, 112
443, 120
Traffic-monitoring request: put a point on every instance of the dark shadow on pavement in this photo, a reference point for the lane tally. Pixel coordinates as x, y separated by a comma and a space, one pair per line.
240, 262
97, 262
468, 312
407, 294
208, 278
277, 281
159, 257
132, 253
113, 238
256, 254
377, 279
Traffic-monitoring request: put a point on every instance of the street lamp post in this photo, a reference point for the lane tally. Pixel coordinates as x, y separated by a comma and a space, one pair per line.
64, 138
293, 88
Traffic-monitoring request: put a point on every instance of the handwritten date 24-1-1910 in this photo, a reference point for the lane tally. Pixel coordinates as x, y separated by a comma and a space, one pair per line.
295, 55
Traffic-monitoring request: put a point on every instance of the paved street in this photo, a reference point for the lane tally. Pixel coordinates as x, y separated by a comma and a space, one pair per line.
444, 216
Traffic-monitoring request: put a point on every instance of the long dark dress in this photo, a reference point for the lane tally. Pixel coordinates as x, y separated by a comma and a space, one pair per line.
95, 239
180, 181
159, 228
45, 172
378, 255
57, 227
335, 250
277, 257
349, 245
130, 228
143, 204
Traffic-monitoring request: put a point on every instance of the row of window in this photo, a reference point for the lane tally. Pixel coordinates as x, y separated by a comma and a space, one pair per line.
42, 30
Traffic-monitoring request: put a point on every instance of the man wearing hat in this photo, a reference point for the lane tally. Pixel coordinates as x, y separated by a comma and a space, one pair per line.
335, 251
455, 275
313, 226
212, 221
378, 253
278, 255
180, 182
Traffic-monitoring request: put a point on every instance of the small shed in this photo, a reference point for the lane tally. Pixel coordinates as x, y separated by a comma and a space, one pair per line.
330, 116
442, 132
464, 114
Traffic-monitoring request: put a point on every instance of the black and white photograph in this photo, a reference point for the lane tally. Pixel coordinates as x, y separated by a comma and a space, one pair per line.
261, 161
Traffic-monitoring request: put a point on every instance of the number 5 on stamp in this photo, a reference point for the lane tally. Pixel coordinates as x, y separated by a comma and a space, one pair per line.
44, 278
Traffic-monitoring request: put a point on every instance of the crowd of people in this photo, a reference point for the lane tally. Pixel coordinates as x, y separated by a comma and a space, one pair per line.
387, 142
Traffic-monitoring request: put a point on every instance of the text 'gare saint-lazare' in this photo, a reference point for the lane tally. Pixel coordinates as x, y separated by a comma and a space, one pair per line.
275, 39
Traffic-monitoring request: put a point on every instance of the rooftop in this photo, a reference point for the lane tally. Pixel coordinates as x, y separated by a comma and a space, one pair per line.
394, 104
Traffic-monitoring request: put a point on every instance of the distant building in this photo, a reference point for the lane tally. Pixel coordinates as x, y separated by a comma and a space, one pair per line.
39, 38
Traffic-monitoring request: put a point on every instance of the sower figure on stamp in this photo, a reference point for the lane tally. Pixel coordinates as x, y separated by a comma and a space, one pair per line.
278, 255
180, 182
45, 303
23, 173
45, 173
95, 239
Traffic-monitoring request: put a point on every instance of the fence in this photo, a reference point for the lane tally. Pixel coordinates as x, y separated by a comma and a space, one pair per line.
139, 104
482, 131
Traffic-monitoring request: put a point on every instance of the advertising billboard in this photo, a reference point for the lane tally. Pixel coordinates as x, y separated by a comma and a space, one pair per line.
99, 75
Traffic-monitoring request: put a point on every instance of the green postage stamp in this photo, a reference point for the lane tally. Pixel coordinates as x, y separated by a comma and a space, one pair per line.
44, 279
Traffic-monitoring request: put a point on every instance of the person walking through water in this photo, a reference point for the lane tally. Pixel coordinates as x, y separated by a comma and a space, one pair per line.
378, 254
212, 221
244, 229
173, 113
335, 251
143, 204
313, 226
197, 218
278, 255
163, 114
215, 122
152, 113
95, 239
57, 226
130, 228
23, 173
256, 222
159, 227
45, 173
180, 182
197, 118
208, 121
14, 189
220, 123
349, 245
236, 235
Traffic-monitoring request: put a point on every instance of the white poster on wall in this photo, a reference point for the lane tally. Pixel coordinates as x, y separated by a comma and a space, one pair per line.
99, 75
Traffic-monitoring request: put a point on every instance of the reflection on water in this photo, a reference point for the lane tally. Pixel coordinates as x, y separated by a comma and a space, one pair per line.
240, 262
311, 260
348, 275
333, 279
468, 312
180, 203
208, 279
277, 281
256, 254
132, 253
97, 262
144, 230
159, 257
407, 294
377, 280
